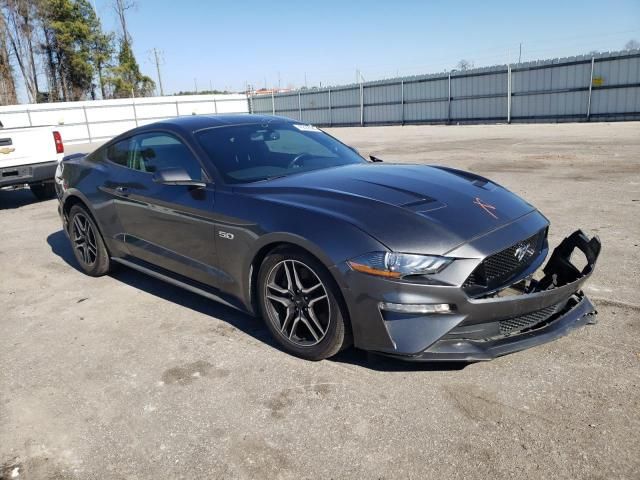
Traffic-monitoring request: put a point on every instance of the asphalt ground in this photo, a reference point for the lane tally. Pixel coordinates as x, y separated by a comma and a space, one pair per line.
125, 377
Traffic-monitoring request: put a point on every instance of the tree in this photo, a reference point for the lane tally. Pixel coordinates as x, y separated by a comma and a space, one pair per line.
62, 41
7, 80
632, 45
50, 63
121, 7
19, 19
464, 65
127, 80
101, 55
70, 27
75, 49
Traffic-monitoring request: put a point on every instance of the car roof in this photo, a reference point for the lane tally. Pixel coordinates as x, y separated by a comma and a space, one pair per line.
193, 123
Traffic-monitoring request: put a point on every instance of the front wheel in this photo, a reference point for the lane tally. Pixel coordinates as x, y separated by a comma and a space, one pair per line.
87, 243
301, 305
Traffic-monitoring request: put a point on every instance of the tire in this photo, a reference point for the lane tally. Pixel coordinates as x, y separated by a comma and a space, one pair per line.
308, 322
87, 243
43, 191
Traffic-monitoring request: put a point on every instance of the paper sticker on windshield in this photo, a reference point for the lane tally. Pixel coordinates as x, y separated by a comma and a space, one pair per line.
306, 128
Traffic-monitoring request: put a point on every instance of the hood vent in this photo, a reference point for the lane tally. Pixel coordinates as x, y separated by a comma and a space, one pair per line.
425, 205
474, 179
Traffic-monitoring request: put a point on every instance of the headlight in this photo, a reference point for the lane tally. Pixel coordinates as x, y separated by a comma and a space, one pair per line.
398, 265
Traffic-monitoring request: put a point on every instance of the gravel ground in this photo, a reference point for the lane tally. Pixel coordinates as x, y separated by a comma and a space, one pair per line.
124, 377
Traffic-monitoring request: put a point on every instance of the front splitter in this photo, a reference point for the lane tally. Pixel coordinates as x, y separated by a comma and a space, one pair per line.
461, 350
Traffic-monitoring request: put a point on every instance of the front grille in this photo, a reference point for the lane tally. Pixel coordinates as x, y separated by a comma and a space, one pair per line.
499, 268
529, 320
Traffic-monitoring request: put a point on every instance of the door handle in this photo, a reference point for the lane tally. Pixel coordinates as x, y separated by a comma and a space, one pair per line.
124, 191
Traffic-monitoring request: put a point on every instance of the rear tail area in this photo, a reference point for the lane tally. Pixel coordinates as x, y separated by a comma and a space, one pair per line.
59, 176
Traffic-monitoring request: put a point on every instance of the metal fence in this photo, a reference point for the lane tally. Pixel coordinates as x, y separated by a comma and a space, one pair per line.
600, 87
89, 121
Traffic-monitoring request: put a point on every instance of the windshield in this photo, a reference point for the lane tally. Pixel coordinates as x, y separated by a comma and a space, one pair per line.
249, 153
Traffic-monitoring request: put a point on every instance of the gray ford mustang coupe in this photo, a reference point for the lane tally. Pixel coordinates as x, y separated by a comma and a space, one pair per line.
281, 220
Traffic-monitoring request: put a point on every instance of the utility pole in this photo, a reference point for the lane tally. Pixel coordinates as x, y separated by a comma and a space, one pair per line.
520, 55
157, 61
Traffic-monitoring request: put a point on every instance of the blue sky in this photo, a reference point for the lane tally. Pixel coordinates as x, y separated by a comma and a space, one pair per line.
227, 43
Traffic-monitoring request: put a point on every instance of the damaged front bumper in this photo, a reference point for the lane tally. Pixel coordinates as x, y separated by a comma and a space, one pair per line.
578, 313
482, 328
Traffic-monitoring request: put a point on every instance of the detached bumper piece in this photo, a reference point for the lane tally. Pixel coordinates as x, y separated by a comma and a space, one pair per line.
543, 310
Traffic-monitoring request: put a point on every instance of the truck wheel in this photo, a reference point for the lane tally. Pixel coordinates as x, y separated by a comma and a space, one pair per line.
43, 191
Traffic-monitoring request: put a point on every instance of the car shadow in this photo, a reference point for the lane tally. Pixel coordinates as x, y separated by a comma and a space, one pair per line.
381, 363
59, 244
16, 198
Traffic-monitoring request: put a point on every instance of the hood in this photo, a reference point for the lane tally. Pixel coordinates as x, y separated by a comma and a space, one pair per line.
408, 208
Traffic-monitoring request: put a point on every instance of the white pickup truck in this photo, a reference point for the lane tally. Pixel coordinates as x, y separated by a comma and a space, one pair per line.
30, 155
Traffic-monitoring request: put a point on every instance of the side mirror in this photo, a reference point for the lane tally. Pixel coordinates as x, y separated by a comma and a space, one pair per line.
375, 159
176, 176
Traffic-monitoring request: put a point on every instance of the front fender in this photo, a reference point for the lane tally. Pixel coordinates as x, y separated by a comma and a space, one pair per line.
240, 246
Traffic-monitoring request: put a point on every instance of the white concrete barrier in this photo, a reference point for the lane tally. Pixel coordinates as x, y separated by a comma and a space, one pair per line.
95, 120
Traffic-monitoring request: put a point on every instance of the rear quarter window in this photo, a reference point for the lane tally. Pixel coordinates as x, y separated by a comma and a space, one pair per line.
119, 152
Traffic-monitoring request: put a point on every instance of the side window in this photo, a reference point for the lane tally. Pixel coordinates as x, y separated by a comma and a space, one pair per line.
151, 152
157, 151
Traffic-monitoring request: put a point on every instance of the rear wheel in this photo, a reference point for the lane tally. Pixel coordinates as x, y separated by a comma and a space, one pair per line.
87, 243
300, 303
43, 191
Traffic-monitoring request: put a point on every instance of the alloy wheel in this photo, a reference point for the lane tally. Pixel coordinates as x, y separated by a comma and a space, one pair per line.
297, 303
84, 239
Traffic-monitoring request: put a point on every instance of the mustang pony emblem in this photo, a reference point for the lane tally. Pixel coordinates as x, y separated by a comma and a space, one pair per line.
523, 250
5, 150
486, 207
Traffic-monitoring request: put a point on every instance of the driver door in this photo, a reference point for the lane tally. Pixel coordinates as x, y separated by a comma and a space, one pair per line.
169, 226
